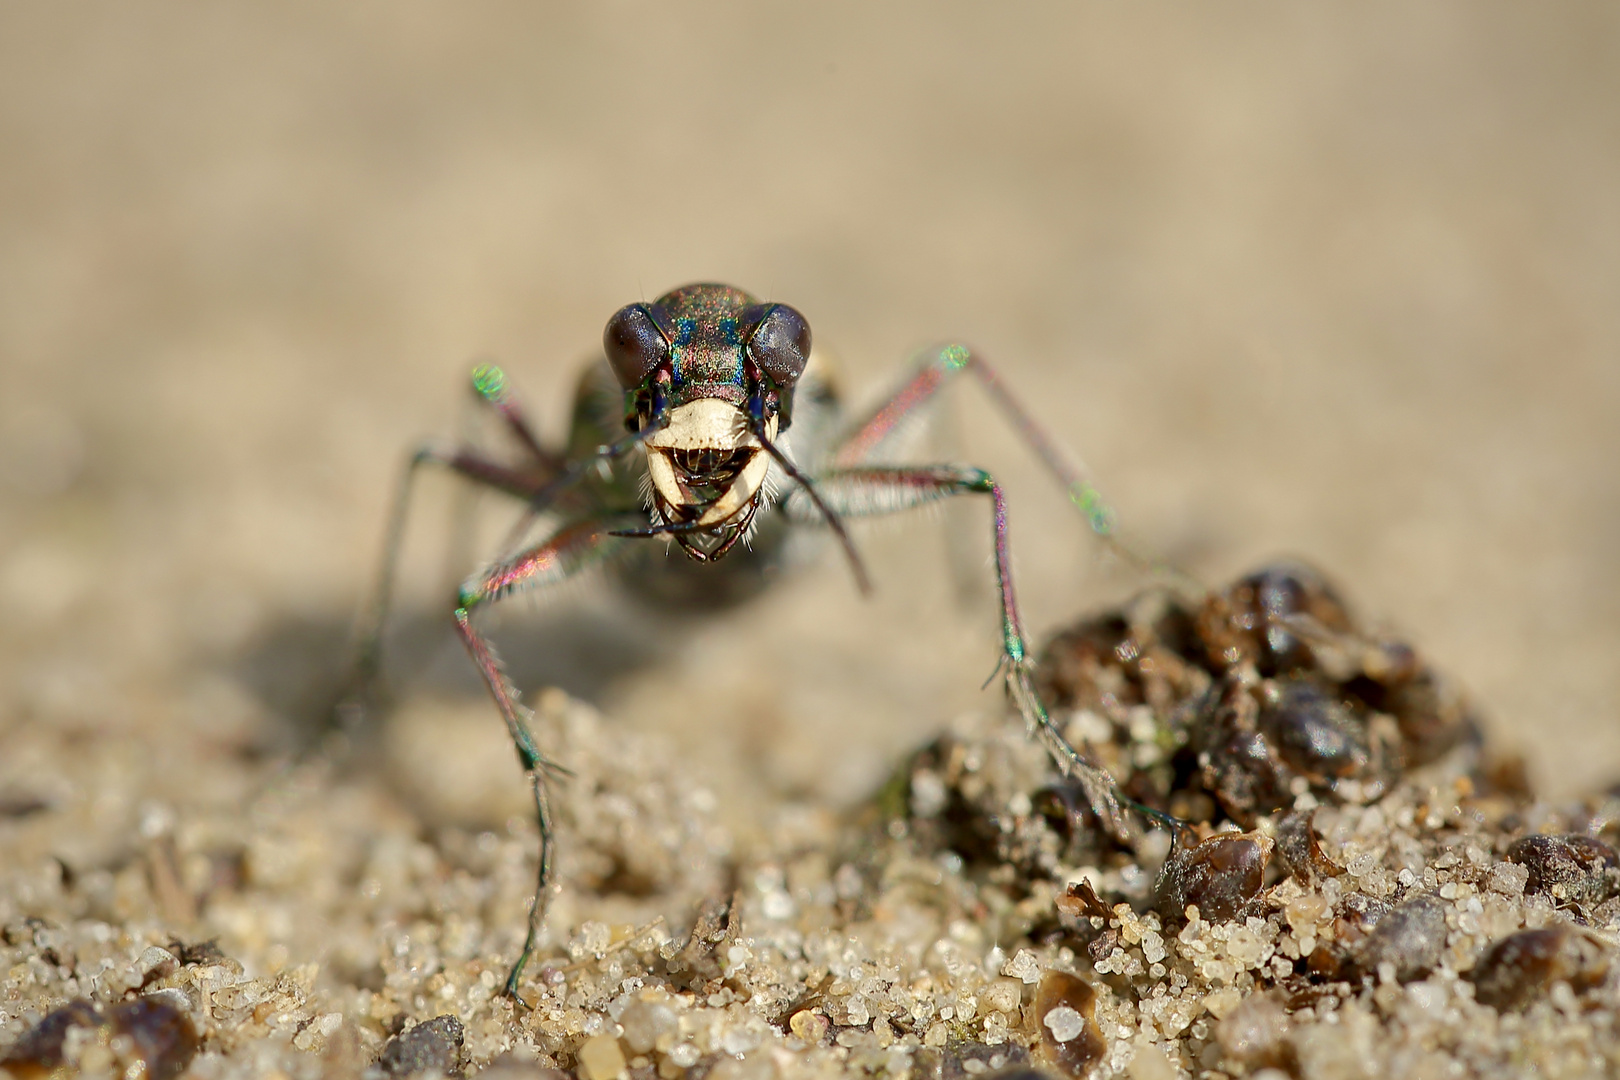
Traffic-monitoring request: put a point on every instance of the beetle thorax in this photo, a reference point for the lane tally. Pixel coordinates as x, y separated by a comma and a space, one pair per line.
707, 469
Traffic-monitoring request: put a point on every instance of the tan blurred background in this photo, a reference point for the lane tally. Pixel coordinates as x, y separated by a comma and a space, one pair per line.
1338, 282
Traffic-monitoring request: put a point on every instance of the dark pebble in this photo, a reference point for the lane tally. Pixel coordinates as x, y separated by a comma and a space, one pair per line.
431, 1045
1314, 732
163, 1036
964, 1060
1570, 869
40, 1051
1411, 937
1255, 618
1300, 849
162, 1039
1221, 875
1521, 968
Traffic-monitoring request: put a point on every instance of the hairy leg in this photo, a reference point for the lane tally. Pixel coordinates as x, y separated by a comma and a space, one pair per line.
366, 668
564, 554
538, 483
490, 386
524, 481
872, 490
867, 439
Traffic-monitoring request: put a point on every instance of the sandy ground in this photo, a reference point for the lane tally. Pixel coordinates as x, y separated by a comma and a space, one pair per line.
1338, 284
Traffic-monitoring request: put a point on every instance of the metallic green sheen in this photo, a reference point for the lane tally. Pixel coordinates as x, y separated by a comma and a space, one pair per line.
489, 381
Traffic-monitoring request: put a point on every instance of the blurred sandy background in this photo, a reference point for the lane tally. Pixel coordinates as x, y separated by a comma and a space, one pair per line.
1343, 283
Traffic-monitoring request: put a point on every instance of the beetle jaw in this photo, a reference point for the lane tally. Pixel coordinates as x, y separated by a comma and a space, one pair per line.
707, 468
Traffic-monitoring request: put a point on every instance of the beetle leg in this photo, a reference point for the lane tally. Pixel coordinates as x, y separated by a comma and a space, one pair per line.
867, 438
860, 492
490, 386
565, 553
366, 668
570, 472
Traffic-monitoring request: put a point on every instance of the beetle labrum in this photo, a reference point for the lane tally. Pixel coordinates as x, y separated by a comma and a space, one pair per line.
681, 434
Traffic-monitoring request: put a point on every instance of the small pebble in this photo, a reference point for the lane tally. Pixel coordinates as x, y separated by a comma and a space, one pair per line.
1411, 938
1220, 875
1065, 1007
431, 1046
1520, 968
1150, 1063
1570, 868
809, 1025
601, 1059
1255, 1034
158, 1041
644, 1023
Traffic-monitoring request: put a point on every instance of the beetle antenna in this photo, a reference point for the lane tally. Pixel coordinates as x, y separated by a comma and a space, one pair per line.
834, 522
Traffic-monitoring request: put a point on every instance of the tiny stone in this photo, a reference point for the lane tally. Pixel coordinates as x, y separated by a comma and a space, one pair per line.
431, 1045
1508, 879
644, 1022
858, 1014
601, 1059
155, 963
1023, 966
1001, 996
738, 1041
928, 794
1306, 911
1065, 1023
1223, 1001
809, 1025
777, 904
1245, 947
1150, 1063
595, 936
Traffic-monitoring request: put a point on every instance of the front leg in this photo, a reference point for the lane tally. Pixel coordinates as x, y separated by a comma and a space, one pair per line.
569, 550
861, 492
365, 670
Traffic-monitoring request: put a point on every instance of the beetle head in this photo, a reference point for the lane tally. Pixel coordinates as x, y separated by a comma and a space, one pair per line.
705, 364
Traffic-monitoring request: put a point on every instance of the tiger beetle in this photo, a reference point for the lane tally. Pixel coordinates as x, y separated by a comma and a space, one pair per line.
681, 434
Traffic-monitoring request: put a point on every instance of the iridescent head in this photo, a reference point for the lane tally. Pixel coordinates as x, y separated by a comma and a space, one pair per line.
712, 370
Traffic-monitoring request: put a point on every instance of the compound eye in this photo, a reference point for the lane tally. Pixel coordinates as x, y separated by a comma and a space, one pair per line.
780, 342
634, 344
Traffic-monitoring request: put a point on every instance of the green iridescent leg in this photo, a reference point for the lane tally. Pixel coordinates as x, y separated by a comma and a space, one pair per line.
866, 440
864, 492
523, 481
490, 386
366, 669
564, 554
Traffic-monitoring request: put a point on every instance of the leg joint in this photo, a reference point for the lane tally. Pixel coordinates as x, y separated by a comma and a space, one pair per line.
489, 383
955, 356
977, 480
528, 756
